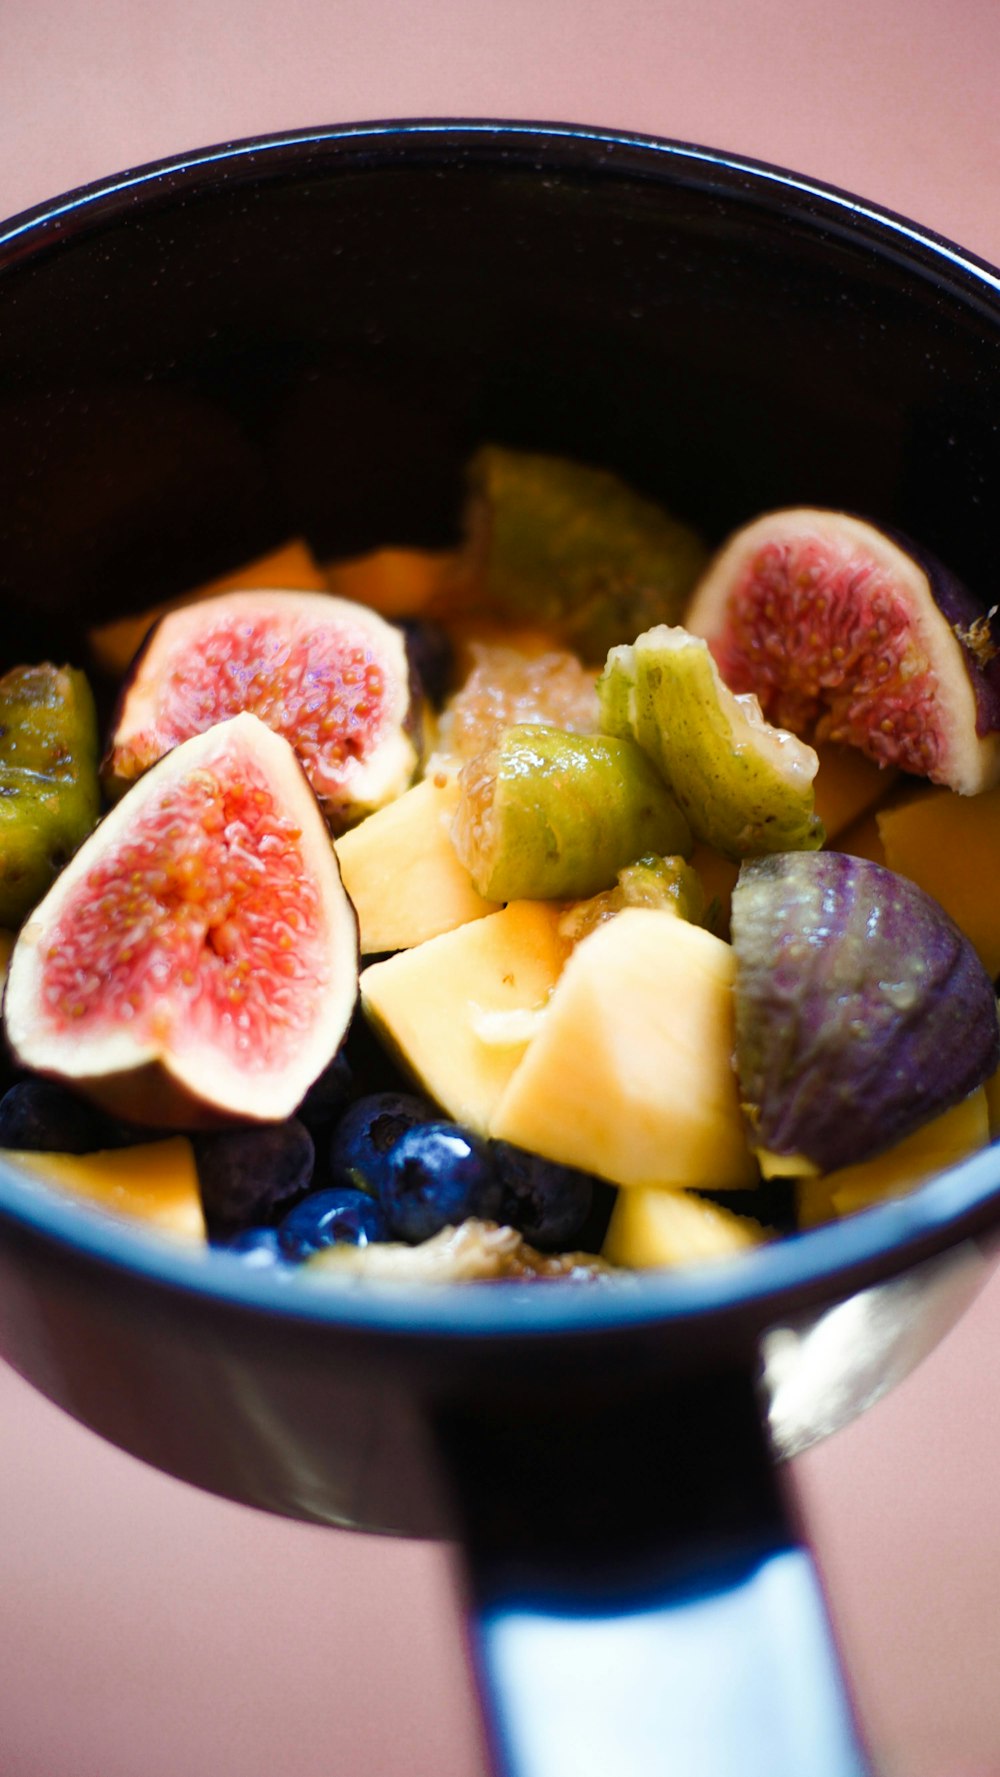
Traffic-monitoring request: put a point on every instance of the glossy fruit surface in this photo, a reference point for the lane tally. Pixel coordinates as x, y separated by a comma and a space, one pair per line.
196, 963
745, 786
332, 1217
850, 634
366, 1134
331, 677
437, 1175
548, 815
861, 1009
48, 779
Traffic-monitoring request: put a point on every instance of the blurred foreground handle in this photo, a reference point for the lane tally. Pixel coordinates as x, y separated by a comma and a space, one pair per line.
639, 1602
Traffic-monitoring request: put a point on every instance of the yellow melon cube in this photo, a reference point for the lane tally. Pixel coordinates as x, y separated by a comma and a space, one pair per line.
402, 872
941, 1143
156, 1182
630, 1074
650, 1228
396, 582
950, 846
847, 785
459, 1010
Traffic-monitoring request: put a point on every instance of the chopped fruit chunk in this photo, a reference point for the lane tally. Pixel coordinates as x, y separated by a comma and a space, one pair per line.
506, 687
918, 1157
950, 845
155, 1183
847, 786
636, 1083
394, 582
49, 793
745, 787
651, 1228
573, 549
402, 872
458, 1010
545, 814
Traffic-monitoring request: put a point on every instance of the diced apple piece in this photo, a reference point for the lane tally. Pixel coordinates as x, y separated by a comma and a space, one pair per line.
944, 1141
292, 567
651, 1228
630, 1074
459, 1010
156, 1183
846, 786
402, 873
950, 846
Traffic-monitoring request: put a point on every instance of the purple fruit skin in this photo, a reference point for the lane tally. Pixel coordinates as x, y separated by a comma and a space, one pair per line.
861, 1009
961, 610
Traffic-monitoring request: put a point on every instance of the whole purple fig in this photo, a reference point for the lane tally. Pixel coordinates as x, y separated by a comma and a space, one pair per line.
861, 1009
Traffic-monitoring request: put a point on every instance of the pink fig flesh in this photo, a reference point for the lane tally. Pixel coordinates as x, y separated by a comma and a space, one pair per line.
846, 634
331, 676
196, 963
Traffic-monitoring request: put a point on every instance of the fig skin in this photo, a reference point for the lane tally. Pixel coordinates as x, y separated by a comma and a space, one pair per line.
861, 1009
848, 631
198, 941
284, 669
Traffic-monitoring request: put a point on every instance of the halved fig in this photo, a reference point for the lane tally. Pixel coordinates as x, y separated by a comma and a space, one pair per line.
197, 961
849, 633
861, 1010
332, 677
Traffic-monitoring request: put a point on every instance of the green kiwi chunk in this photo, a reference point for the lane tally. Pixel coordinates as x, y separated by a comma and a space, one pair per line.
548, 815
49, 795
574, 551
746, 787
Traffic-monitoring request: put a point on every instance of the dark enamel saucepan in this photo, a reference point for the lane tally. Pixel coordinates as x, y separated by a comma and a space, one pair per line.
309, 335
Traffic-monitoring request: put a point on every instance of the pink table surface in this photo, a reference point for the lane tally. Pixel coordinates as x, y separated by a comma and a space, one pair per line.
145, 1628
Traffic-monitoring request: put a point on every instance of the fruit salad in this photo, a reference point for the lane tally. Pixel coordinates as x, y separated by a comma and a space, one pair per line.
569, 903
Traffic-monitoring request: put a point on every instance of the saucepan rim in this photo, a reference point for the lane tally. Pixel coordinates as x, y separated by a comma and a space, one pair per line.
791, 1273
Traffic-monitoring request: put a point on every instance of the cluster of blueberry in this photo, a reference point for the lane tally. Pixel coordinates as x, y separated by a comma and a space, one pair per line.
355, 1166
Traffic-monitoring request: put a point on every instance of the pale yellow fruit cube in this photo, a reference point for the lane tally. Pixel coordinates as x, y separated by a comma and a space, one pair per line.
941, 1143
402, 872
460, 1009
155, 1182
630, 1074
650, 1228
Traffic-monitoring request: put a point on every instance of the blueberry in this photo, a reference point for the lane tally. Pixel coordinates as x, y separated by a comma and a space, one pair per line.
544, 1201
328, 1097
39, 1116
246, 1174
326, 1218
437, 1174
259, 1248
366, 1134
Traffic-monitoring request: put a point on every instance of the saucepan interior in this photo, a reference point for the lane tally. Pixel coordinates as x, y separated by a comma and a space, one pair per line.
308, 335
